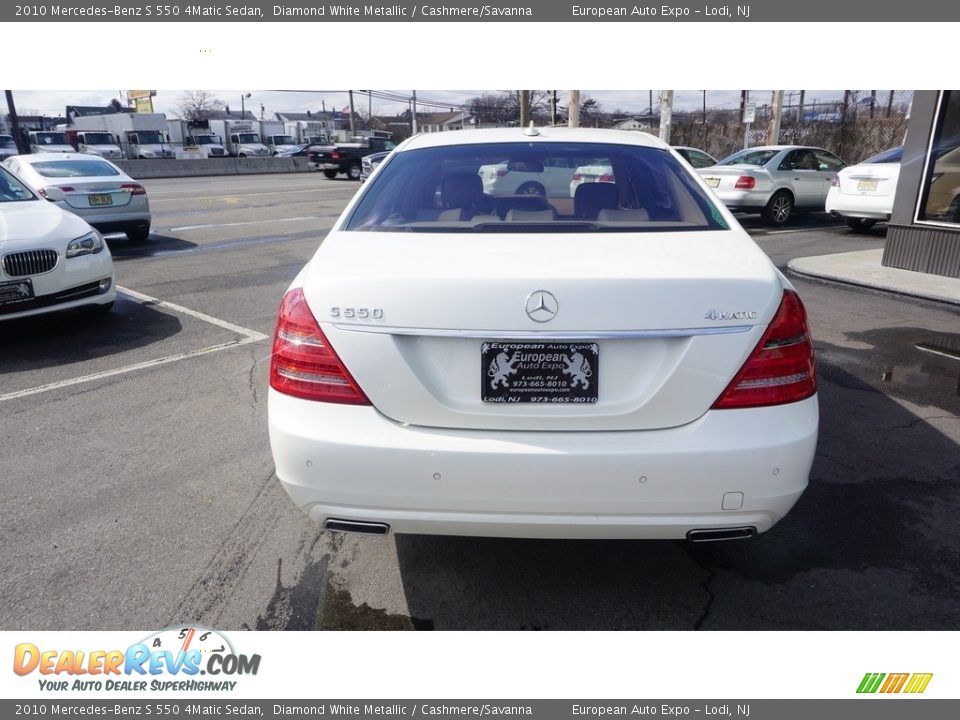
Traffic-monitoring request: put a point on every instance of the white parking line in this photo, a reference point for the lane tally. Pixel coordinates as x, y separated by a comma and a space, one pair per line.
252, 335
798, 230
238, 224
126, 369
249, 336
179, 194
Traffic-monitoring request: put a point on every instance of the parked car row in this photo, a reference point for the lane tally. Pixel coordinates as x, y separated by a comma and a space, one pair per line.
50, 259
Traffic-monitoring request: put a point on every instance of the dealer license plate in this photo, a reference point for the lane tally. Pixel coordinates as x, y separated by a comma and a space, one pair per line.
867, 185
712, 182
536, 372
100, 200
15, 292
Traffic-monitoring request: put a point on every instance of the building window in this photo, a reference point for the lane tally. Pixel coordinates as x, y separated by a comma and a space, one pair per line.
940, 201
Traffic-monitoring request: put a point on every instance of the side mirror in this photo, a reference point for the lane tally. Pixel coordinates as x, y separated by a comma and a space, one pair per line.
54, 194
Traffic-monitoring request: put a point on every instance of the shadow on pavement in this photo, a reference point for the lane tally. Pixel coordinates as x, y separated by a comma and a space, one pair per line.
46, 341
874, 543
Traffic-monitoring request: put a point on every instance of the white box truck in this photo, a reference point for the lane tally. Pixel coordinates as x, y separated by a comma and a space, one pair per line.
308, 132
242, 140
54, 141
95, 142
141, 136
197, 137
276, 137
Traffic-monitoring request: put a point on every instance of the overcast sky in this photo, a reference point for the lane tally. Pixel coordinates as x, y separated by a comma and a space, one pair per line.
53, 102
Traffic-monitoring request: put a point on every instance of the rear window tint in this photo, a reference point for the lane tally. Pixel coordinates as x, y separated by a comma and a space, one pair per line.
893, 155
74, 168
534, 187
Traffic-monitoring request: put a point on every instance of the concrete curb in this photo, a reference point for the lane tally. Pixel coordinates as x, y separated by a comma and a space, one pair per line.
146, 169
863, 268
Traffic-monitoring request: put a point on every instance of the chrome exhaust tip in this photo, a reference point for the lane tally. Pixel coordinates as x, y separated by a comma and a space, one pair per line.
715, 534
356, 526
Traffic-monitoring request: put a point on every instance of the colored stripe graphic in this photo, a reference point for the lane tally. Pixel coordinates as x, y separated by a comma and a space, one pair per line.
918, 682
870, 682
894, 683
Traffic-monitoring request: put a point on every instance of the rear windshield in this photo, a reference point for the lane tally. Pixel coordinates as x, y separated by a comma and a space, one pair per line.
893, 155
749, 157
534, 187
74, 168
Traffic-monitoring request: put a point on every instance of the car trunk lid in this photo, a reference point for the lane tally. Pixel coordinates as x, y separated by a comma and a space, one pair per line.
672, 317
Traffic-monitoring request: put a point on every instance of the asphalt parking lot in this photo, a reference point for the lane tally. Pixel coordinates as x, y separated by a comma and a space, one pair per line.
138, 487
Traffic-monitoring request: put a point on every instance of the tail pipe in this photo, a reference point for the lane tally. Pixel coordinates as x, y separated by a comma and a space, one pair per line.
356, 526
714, 534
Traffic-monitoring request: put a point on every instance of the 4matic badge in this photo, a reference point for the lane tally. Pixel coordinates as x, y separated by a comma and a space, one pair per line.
730, 315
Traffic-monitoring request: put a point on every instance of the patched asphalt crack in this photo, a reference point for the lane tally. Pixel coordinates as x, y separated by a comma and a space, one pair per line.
914, 423
707, 588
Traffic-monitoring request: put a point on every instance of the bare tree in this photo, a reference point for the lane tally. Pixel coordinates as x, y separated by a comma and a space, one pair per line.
196, 104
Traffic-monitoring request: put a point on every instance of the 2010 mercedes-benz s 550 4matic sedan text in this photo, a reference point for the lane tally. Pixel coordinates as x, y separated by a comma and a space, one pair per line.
622, 363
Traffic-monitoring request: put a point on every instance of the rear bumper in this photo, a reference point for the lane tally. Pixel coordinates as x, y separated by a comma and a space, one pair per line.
859, 206
729, 468
744, 199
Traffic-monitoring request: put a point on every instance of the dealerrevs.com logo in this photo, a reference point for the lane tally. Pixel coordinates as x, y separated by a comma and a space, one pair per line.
172, 659
888, 683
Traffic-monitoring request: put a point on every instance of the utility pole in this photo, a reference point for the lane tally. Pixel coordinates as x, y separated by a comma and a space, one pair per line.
353, 129
666, 115
524, 108
553, 112
15, 123
573, 114
414, 114
747, 117
776, 111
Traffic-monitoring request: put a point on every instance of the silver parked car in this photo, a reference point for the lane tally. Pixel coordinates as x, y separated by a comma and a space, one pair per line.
88, 186
775, 180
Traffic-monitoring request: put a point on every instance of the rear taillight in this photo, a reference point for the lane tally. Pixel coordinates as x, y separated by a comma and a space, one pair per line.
134, 188
501, 172
42, 192
335, 155
606, 177
780, 369
303, 364
745, 182
577, 177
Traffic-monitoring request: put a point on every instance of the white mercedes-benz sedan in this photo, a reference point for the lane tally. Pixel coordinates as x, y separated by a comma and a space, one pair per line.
623, 363
49, 259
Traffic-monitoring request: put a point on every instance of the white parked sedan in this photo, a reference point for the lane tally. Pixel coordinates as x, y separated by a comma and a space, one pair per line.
49, 259
546, 177
774, 181
862, 194
88, 186
626, 365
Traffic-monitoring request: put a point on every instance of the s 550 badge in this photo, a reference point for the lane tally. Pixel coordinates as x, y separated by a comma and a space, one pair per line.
356, 313
730, 315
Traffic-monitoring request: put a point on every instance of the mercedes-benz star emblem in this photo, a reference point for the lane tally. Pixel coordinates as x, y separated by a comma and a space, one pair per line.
541, 306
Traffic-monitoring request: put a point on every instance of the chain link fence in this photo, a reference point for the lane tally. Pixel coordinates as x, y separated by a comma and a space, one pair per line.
864, 123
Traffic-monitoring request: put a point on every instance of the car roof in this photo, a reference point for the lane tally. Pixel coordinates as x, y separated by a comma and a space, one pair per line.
780, 147
545, 134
